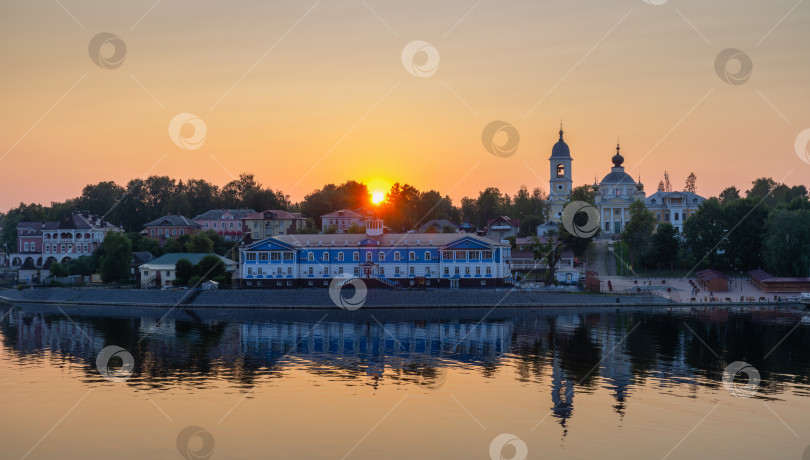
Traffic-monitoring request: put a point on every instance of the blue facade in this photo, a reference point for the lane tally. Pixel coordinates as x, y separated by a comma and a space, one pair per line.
294, 260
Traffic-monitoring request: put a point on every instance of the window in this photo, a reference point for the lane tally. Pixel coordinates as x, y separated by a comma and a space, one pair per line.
160, 232
263, 256
474, 255
310, 256
427, 271
250, 255
666, 217
560, 170
382, 270
397, 256
483, 283
356, 271
310, 271
446, 271
340, 270
460, 255
340, 258
368, 257
381, 256
489, 270
25, 246
174, 232
487, 255
477, 270
289, 270
411, 271
206, 225
355, 256
396, 271
676, 216
466, 270
325, 257
230, 224
411, 255
457, 271
288, 256
447, 255
275, 256
182, 231
427, 255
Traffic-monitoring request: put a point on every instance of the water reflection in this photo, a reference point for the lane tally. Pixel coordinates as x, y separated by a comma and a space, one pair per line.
581, 351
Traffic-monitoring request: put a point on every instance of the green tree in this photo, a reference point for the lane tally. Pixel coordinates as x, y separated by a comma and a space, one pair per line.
83, 265
116, 259
356, 229
199, 243
184, 272
549, 251
691, 183
59, 270
209, 267
638, 232
744, 219
665, 245
787, 244
729, 194
448, 229
704, 230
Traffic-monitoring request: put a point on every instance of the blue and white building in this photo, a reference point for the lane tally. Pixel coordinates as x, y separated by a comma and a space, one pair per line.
402, 259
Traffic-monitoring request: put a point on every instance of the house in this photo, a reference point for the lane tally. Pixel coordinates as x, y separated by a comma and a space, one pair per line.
766, 282
138, 259
170, 226
546, 227
260, 225
226, 222
503, 227
162, 271
343, 219
394, 260
439, 225
209, 285
673, 207
523, 258
71, 237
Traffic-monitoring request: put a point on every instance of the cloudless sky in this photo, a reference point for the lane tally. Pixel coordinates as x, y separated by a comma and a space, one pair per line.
303, 93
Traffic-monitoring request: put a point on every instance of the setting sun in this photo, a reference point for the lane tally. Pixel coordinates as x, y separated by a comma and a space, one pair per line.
377, 197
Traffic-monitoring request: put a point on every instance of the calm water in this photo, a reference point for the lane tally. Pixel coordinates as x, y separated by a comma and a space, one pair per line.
644, 383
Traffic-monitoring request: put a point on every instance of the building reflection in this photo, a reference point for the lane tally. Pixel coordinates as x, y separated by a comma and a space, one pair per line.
562, 354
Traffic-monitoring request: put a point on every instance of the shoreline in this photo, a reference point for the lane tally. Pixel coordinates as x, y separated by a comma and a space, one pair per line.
319, 299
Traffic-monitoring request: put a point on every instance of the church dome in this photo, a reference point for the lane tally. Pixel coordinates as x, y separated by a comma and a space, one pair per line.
560, 149
617, 159
617, 176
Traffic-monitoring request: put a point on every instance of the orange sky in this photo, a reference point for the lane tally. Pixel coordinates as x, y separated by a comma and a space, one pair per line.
304, 93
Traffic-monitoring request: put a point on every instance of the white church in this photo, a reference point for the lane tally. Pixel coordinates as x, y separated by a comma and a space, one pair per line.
614, 194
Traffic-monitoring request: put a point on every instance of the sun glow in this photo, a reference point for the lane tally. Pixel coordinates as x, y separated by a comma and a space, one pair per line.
377, 197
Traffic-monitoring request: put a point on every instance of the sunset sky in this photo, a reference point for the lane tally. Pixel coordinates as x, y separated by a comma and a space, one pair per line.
303, 93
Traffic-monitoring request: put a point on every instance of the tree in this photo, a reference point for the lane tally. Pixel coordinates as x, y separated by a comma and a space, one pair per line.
183, 272
209, 267
116, 259
744, 220
83, 265
638, 232
199, 243
661, 186
704, 231
667, 183
665, 244
549, 250
691, 183
356, 229
787, 244
448, 229
729, 194
59, 270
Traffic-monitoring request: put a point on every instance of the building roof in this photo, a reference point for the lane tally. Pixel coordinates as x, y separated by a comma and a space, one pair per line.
512, 222
142, 257
194, 258
388, 239
560, 149
217, 214
171, 220
763, 276
658, 198
710, 274
274, 214
76, 221
438, 224
348, 213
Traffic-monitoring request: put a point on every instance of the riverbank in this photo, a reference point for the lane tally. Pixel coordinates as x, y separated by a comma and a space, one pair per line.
320, 299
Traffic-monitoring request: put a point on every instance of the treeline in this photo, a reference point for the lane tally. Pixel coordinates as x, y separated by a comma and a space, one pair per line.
405, 207
768, 228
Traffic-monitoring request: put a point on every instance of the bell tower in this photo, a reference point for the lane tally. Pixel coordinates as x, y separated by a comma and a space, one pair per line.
559, 183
